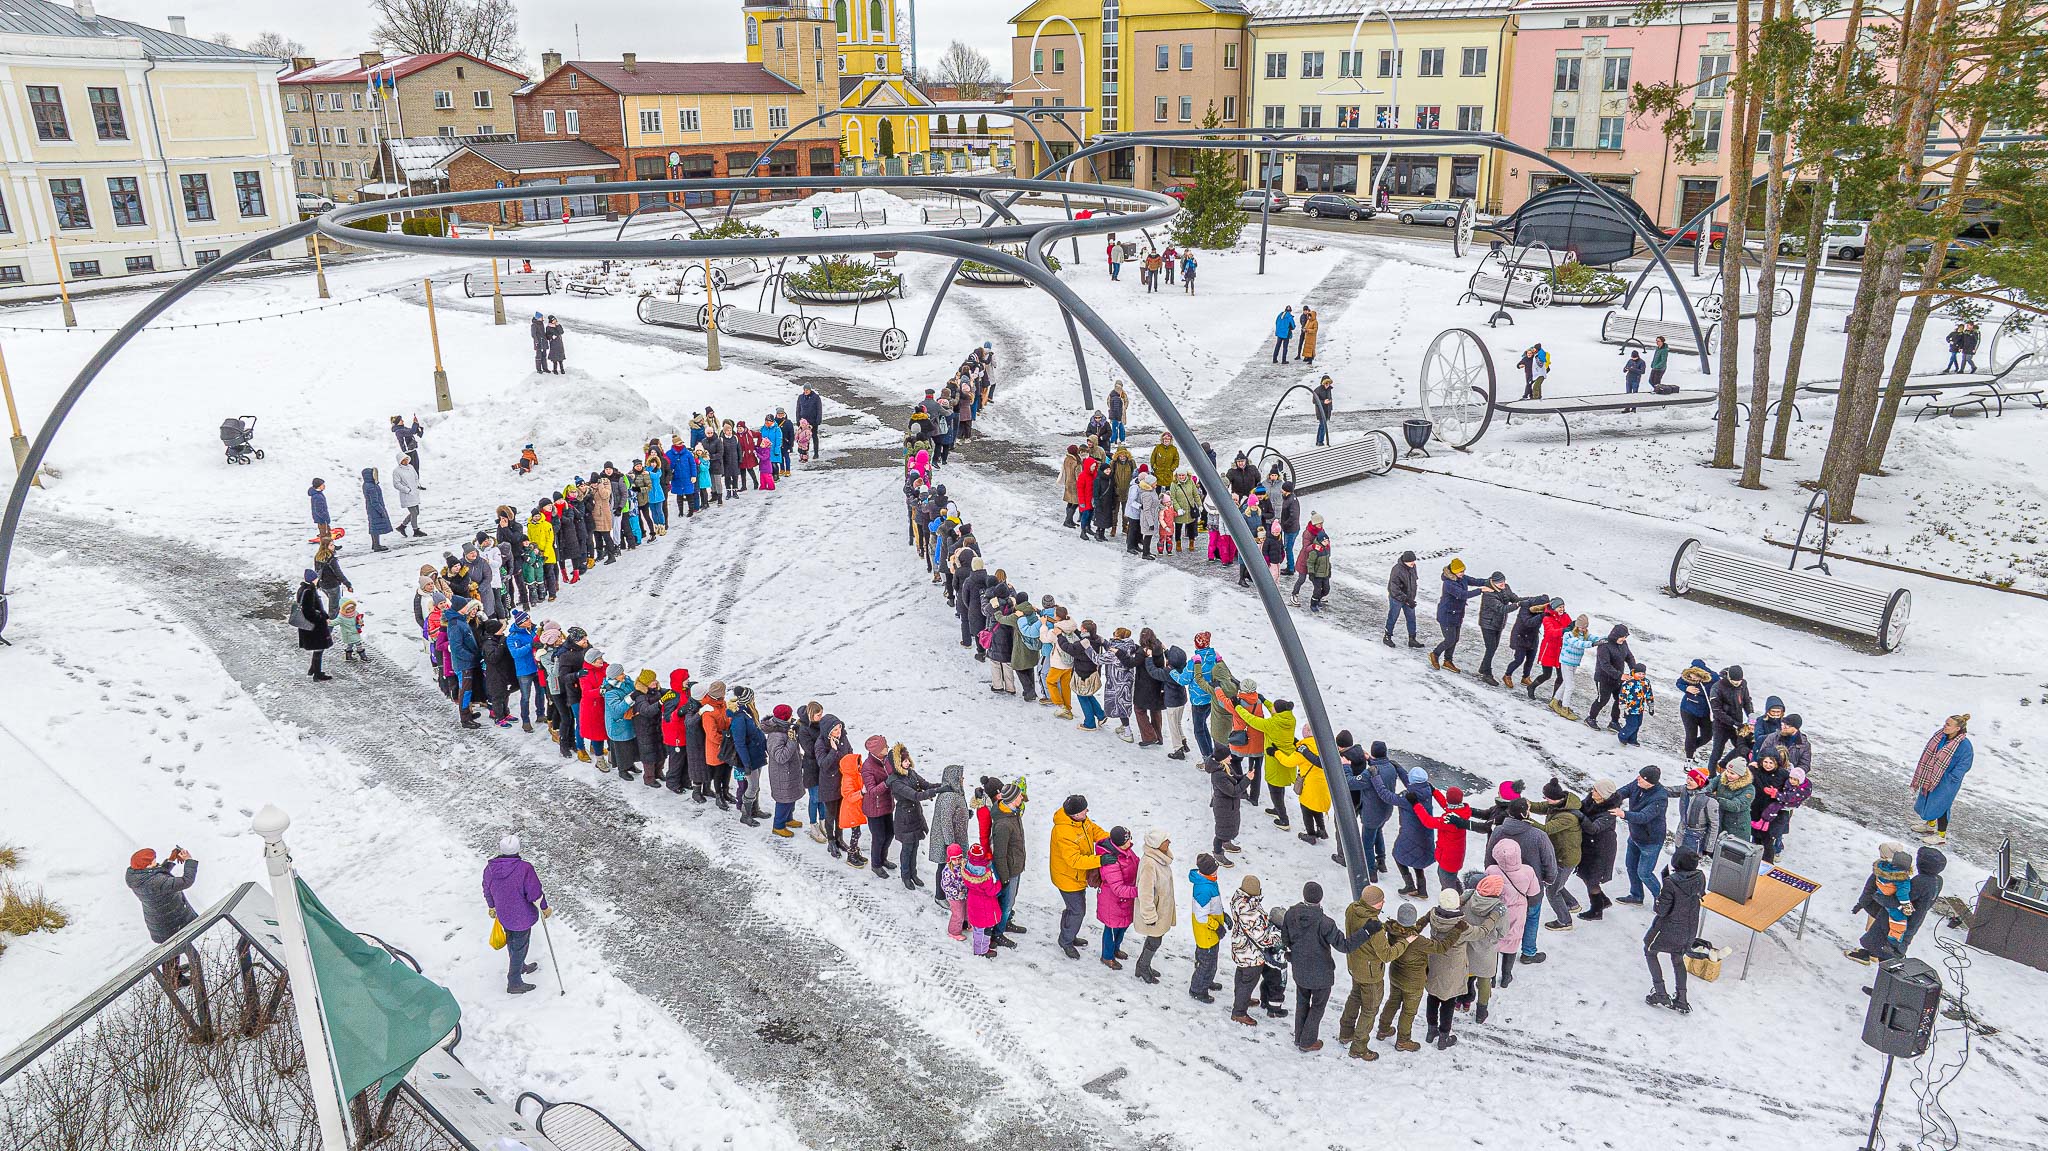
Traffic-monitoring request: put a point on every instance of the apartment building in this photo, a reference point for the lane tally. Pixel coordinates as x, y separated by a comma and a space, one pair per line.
339, 113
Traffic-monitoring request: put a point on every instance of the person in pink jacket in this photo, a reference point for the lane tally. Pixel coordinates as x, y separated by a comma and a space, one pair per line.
984, 898
1519, 886
1116, 901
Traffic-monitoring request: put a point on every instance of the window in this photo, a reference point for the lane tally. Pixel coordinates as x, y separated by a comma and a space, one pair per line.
445, 130
317, 171
10, 274
1763, 141
47, 108
1571, 21
291, 101
443, 98
320, 101
1390, 62
1706, 129
5, 224
817, 38
839, 17
363, 134
686, 120
1037, 60
1159, 108
778, 36
1430, 62
125, 193
1059, 60
69, 198
199, 198
1187, 57
1429, 116
1311, 115
1162, 58
1414, 175
1386, 116
348, 170
1276, 65
481, 98
1350, 65
1347, 115
1276, 116
1229, 110
1471, 117
141, 263
882, 62
1610, 133
295, 135
1614, 74
1713, 77
778, 117
1473, 62
205, 256
84, 269
107, 120
356, 100
1230, 55
1564, 131
570, 118
1596, 21
876, 27
742, 119
481, 130
547, 121
842, 68
650, 122
249, 194
1567, 76
327, 135
1311, 65
1187, 109
1465, 177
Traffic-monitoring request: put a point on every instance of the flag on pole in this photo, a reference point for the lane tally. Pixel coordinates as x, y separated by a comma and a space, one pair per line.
381, 1015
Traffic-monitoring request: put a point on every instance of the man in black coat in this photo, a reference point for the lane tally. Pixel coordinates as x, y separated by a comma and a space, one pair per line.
1614, 661
1311, 937
1497, 604
811, 406
1401, 598
971, 604
1227, 789
1290, 520
1525, 636
1677, 924
568, 689
1729, 706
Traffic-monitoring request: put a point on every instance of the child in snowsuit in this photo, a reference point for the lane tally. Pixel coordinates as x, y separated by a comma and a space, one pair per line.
527, 461
953, 885
984, 900
1273, 976
348, 628
1636, 697
1207, 921
803, 441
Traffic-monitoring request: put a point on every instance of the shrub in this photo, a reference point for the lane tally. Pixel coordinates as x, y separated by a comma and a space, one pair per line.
423, 226
840, 274
732, 228
25, 910
1578, 279
371, 224
9, 859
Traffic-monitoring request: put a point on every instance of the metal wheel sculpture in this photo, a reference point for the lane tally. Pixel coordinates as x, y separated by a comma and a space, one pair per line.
2019, 334
1897, 613
1458, 387
1461, 236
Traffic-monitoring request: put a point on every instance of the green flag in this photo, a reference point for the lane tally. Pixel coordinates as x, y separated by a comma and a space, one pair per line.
381, 1015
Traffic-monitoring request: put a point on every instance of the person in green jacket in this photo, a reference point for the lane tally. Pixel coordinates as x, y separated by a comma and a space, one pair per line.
1734, 790
1660, 358
1187, 507
1023, 618
1568, 840
1281, 765
1221, 685
1165, 459
1368, 967
1409, 975
1315, 563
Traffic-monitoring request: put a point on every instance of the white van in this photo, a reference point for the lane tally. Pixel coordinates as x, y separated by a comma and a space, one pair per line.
1840, 240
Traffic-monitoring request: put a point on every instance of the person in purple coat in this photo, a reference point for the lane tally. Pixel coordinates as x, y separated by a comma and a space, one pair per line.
512, 892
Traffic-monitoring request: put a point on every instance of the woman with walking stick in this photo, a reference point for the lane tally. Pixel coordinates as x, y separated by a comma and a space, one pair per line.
512, 892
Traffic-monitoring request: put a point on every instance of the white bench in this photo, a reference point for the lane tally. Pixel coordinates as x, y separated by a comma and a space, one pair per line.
956, 214
460, 1103
829, 217
670, 313
1781, 304
1998, 391
783, 328
1372, 456
1628, 330
1810, 596
1508, 292
882, 343
587, 288
1564, 407
576, 1126
476, 284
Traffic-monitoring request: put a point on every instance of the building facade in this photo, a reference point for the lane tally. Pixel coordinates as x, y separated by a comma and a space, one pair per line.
883, 125
137, 149
1141, 65
339, 113
1442, 65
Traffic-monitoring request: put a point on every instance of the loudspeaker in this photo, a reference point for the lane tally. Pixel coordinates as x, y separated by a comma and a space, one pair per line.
1735, 868
1902, 1006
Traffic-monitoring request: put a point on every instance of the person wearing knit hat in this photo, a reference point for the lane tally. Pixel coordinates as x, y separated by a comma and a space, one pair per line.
1458, 587
1676, 925
1647, 801
1072, 857
645, 679
984, 906
161, 891
1367, 965
512, 892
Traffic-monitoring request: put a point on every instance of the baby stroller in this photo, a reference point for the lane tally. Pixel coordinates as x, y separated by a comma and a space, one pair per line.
238, 436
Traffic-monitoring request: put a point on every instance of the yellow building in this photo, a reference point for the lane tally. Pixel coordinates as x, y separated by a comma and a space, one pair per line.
138, 149
1449, 59
883, 124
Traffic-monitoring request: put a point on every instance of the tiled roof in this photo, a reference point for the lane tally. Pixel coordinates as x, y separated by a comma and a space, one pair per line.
350, 69
41, 18
685, 78
1299, 11
541, 155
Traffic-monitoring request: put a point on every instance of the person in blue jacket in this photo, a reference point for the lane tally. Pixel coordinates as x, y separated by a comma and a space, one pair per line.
1939, 775
465, 655
682, 473
1647, 801
1450, 612
1378, 788
1695, 713
1199, 697
519, 641
1415, 847
373, 509
317, 496
750, 752
1283, 333
618, 729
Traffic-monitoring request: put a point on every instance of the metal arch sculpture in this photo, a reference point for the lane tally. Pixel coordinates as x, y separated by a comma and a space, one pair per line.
1371, 9
1157, 207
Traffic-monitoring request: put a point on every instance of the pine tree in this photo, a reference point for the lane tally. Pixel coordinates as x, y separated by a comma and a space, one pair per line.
886, 139
1209, 216
942, 126
981, 126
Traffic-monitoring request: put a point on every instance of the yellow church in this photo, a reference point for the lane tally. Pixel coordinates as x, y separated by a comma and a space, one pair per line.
884, 119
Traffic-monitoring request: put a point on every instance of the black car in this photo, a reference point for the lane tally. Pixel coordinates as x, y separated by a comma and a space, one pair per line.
1332, 204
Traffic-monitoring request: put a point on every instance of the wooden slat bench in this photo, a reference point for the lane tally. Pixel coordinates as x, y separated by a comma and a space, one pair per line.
1806, 595
784, 328
476, 284
1998, 391
1374, 455
576, 1126
1564, 407
1635, 331
1781, 304
881, 343
670, 313
829, 217
1509, 291
957, 214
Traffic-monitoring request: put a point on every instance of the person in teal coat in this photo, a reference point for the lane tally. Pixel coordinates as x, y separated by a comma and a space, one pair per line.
1939, 776
618, 730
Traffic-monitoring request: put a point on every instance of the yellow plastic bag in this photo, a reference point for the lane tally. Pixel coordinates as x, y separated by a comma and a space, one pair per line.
497, 934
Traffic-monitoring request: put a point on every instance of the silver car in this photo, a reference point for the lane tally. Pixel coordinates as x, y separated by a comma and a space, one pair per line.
1252, 199
1443, 213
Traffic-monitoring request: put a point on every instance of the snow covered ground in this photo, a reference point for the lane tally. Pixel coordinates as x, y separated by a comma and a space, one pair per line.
726, 987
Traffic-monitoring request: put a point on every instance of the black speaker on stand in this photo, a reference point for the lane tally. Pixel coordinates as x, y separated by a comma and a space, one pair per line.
1900, 1021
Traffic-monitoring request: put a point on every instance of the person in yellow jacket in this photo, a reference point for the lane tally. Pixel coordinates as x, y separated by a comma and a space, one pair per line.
1207, 920
1072, 860
1283, 765
542, 533
1314, 789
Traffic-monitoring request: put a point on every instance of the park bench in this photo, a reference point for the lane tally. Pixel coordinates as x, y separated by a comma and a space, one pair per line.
958, 213
1374, 455
1509, 291
459, 1102
576, 1126
476, 284
783, 328
1564, 407
855, 217
1928, 386
1936, 406
1998, 391
882, 343
1630, 330
1806, 595
670, 313
586, 288
1781, 304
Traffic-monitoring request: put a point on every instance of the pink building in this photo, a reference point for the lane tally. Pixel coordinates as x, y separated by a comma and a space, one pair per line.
1569, 96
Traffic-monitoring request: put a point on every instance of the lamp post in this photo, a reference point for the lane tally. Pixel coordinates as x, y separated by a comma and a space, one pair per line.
442, 400
270, 823
497, 297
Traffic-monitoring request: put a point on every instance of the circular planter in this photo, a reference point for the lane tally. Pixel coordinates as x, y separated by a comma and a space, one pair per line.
975, 275
856, 296
1586, 299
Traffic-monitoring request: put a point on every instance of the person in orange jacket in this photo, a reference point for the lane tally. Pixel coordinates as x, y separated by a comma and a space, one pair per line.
717, 722
851, 819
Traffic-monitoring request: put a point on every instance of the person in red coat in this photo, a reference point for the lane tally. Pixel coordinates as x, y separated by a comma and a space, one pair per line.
1450, 834
1550, 651
675, 730
1084, 492
590, 708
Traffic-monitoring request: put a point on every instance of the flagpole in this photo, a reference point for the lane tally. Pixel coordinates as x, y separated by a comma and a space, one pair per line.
270, 823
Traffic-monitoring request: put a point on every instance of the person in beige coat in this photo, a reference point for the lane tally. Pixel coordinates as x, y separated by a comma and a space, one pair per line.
1310, 324
1154, 914
601, 505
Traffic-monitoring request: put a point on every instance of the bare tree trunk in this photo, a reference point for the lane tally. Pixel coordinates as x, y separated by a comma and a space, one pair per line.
1738, 124
1767, 279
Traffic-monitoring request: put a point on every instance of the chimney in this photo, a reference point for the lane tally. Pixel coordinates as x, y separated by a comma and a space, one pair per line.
85, 11
176, 25
370, 59
301, 63
631, 61
549, 63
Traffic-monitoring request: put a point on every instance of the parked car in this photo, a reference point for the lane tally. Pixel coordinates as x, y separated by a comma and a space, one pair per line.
1178, 191
1443, 213
1916, 251
1717, 234
314, 203
1252, 199
1840, 240
1332, 204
